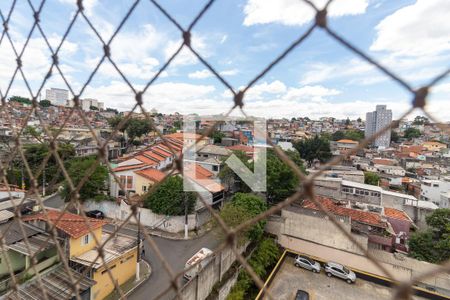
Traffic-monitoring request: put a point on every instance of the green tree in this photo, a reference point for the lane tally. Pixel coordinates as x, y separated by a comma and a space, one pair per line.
45, 103
355, 135
411, 133
421, 120
217, 136
433, 244
169, 198
262, 261
94, 187
281, 180
371, 178
137, 128
108, 109
115, 121
359, 120
338, 135
229, 178
243, 207
347, 122
312, 149
33, 132
394, 137
20, 99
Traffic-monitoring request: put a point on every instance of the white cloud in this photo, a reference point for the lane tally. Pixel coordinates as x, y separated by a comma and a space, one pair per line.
419, 29
223, 39
186, 57
260, 90
205, 73
87, 4
230, 72
296, 12
441, 88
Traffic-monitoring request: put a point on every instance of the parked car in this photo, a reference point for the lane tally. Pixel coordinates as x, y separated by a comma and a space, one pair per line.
301, 295
307, 263
199, 261
338, 270
96, 214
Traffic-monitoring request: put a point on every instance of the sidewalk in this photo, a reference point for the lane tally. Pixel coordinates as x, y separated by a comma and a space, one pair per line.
128, 287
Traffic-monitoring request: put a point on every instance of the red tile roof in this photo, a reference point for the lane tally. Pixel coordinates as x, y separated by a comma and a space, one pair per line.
355, 214
244, 148
73, 225
180, 136
152, 174
345, 141
396, 214
154, 155
128, 167
145, 160
200, 172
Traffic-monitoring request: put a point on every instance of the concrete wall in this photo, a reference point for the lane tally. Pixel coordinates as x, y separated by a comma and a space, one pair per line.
201, 285
148, 218
316, 227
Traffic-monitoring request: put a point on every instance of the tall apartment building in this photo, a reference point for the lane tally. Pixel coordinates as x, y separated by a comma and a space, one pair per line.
57, 96
376, 121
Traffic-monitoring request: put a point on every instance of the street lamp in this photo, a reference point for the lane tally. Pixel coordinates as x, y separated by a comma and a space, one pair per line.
138, 256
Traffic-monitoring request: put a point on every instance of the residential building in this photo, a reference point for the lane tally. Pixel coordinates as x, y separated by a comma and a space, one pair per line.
57, 96
434, 146
81, 238
157, 156
58, 283
431, 190
19, 246
445, 200
376, 121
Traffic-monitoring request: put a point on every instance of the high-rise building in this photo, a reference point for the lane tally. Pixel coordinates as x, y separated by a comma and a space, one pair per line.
57, 96
376, 121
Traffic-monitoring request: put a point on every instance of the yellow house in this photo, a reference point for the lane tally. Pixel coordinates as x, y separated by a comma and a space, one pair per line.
119, 264
80, 236
434, 146
144, 179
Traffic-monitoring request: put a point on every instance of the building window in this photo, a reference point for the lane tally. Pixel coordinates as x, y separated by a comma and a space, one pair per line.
144, 188
215, 168
86, 239
129, 182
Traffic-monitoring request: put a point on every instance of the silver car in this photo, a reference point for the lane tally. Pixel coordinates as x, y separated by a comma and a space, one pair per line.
307, 263
338, 270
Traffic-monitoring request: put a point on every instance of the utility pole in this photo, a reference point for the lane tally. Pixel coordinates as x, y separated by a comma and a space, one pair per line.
43, 182
185, 217
138, 245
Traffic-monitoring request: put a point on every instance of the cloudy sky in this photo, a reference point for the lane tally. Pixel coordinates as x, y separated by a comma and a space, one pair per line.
239, 38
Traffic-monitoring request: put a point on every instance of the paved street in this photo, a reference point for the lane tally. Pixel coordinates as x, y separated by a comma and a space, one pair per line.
55, 201
176, 253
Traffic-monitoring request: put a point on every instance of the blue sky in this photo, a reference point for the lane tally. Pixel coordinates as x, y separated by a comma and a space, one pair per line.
239, 38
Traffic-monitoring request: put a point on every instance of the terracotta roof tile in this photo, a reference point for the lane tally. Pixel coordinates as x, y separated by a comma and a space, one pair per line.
347, 141
355, 214
130, 167
152, 174
71, 224
396, 214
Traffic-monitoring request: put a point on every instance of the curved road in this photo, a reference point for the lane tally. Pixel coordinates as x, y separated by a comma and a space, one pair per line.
176, 253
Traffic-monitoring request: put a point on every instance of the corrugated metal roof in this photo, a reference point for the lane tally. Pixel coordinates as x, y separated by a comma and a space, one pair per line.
36, 244
57, 285
5, 215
